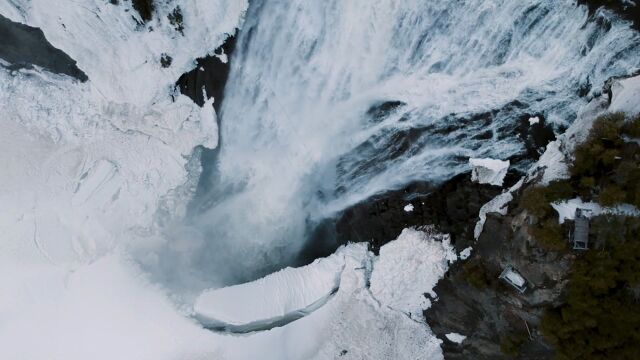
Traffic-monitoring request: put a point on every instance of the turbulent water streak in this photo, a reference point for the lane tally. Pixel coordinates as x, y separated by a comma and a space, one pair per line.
329, 102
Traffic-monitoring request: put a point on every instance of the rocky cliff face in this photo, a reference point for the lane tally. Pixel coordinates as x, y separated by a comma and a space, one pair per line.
494, 316
453, 207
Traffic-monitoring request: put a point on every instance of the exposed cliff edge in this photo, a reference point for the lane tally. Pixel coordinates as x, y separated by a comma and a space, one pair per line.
499, 321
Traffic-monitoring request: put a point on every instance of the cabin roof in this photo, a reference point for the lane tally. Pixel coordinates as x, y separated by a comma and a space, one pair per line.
510, 275
581, 230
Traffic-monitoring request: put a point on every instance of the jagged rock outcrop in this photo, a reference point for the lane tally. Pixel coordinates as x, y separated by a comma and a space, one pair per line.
453, 207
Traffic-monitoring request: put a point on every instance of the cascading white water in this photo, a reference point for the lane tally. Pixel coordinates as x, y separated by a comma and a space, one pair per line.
329, 102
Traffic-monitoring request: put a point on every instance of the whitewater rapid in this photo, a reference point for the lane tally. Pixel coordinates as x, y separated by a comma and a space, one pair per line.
331, 102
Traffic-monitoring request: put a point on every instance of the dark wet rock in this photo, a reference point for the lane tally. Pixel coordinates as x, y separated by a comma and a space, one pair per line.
25, 46
453, 207
491, 313
145, 8
165, 60
535, 136
383, 109
625, 9
211, 74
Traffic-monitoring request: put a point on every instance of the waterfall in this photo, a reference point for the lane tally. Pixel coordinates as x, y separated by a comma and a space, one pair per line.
330, 102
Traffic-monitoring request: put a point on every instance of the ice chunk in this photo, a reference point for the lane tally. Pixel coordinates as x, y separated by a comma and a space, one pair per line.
455, 337
488, 171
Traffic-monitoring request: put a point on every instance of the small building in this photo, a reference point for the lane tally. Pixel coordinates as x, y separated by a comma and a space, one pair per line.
512, 277
580, 236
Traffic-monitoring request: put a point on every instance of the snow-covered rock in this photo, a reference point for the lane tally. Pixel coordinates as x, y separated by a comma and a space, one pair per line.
488, 171
122, 57
85, 167
409, 267
566, 209
498, 204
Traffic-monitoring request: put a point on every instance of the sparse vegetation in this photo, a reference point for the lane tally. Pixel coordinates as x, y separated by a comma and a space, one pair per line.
510, 344
536, 200
476, 274
607, 165
550, 235
601, 316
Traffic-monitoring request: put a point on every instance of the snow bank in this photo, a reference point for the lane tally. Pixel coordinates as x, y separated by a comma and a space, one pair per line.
286, 291
102, 311
488, 171
567, 209
409, 267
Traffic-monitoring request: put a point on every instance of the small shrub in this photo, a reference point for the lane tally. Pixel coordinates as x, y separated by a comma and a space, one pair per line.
598, 154
534, 200
558, 190
476, 274
510, 344
632, 128
611, 195
607, 127
549, 235
586, 185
